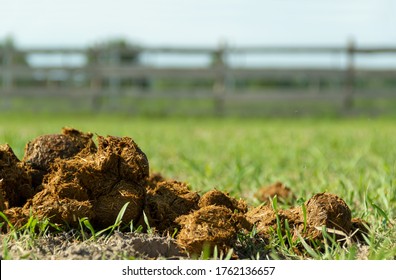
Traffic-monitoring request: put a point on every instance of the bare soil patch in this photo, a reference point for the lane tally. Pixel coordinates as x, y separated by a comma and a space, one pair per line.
119, 245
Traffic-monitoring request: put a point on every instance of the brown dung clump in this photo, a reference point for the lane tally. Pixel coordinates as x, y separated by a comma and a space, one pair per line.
131, 162
210, 226
278, 189
216, 197
41, 152
168, 201
264, 218
154, 179
61, 211
15, 182
107, 207
93, 184
325, 209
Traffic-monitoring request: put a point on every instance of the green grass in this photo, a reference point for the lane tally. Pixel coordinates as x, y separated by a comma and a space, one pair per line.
353, 158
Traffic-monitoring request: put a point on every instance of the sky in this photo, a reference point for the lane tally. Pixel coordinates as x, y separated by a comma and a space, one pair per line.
80, 23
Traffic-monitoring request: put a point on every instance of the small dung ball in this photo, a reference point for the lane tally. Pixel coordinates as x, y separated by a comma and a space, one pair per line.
216, 197
208, 227
278, 189
43, 150
107, 207
325, 209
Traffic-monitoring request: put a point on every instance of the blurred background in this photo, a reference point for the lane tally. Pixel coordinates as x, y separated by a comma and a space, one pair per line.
199, 58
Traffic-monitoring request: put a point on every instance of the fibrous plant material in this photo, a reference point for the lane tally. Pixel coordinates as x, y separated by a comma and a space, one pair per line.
216, 197
41, 152
329, 210
267, 220
322, 210
154, 179
93, 184
107, 207
210, 226
61, 211
15, 183
168, 201
278, 189
131, 162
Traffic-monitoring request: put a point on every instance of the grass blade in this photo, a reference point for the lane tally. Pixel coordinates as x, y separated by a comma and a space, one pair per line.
146, 221
120, 215
309, 249
88, 225
7, 221
380, 211
288, 233
229, 254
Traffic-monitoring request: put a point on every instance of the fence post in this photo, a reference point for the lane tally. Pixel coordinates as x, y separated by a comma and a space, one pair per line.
219, 87
93, 58
350, 76
114, 81
8, 77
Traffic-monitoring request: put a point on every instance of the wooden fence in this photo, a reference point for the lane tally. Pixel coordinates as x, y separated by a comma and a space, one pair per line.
117, 79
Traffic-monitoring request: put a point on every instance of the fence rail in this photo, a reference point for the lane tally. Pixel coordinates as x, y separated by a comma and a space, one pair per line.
107, 77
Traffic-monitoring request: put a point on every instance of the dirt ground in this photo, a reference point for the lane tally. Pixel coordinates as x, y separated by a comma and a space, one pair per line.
65, 246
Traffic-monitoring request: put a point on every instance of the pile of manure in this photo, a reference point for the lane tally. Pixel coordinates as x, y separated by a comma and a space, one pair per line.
66, 177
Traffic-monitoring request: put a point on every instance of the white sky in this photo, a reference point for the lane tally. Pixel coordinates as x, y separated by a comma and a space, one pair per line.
203, 22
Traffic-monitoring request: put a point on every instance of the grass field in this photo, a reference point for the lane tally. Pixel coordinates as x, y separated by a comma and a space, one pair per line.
353, 158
